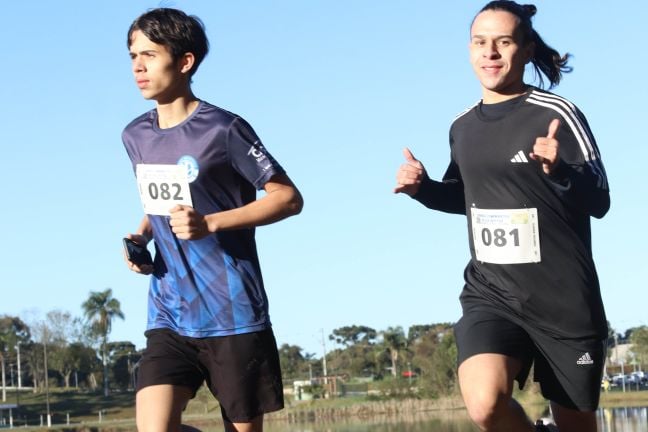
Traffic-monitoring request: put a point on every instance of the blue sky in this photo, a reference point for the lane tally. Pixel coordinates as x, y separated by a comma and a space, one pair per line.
335, 90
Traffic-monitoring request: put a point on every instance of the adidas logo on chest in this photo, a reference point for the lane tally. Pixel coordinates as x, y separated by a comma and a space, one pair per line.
519, 157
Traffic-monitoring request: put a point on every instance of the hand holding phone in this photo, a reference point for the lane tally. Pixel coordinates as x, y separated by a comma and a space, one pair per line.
136, 253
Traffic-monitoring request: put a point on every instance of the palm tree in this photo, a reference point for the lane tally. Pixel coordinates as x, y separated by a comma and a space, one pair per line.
394, 341
100, 309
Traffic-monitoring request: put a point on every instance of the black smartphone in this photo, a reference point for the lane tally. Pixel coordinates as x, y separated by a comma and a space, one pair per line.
136, 253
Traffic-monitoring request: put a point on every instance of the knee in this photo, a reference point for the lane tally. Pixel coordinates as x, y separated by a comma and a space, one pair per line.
486, 409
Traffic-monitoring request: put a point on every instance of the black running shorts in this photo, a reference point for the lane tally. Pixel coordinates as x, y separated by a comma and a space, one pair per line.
569, 370
242, 371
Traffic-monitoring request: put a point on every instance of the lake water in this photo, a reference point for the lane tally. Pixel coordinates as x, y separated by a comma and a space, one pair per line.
628, 419
633, 419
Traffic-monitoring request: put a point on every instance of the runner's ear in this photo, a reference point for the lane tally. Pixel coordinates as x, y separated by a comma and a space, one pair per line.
187, 62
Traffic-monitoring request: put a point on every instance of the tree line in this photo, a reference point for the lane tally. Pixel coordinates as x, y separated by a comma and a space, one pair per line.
71, 352
426, 352
65, 351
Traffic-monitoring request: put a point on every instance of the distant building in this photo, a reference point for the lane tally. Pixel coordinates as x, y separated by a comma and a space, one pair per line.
10, 408
622, 353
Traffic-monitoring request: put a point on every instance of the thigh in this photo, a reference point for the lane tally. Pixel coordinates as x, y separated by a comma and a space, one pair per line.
243, 373
569, 420
158, 408
486, 379
169, 359
255, 425
569, 371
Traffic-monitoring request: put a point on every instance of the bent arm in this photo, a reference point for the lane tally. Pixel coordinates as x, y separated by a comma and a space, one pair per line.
282, 200
144, 231
446, 195
579, 177
583, 186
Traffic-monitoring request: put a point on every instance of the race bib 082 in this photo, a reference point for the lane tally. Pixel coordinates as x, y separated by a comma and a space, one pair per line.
506, 236
162, 187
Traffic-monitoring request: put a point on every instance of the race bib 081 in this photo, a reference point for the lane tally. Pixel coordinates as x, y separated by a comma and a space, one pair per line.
162, 187
506, 236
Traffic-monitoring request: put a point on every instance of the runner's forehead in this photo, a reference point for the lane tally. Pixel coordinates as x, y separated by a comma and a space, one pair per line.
494, 24
140, 43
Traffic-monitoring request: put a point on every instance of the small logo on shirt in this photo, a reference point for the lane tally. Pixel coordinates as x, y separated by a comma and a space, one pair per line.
585, 360
191, 164
256, 152
519, 158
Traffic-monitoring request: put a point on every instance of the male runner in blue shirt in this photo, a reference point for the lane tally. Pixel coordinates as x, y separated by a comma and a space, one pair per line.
207, 311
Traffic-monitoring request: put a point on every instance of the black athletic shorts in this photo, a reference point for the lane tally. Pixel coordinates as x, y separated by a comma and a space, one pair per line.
569, 370
242, 371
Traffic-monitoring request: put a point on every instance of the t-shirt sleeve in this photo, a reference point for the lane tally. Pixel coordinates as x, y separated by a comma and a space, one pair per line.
248, 156
130, 149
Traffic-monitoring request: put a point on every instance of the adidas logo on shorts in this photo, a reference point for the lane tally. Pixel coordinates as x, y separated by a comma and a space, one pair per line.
585, 360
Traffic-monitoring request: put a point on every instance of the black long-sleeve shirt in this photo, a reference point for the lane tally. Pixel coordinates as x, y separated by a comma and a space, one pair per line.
491, 169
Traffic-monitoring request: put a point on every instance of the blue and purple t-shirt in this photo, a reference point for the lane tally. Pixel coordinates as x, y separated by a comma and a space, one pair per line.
212, 286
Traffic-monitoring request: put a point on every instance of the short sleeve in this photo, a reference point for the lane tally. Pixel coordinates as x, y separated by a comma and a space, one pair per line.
248, 156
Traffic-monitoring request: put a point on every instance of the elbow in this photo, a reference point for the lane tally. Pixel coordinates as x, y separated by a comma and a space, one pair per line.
295, 203
287, 199
603, 207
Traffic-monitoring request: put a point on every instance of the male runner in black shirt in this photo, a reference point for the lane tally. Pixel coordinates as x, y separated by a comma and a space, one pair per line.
526, 172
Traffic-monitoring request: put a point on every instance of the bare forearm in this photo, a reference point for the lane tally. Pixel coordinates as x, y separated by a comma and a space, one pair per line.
282, 200
144, 229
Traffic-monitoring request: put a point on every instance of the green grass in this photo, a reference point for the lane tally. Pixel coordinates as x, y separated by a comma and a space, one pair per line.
119, 408
81, 406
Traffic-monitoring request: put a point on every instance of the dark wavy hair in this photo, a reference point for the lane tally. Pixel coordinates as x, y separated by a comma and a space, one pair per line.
546, 60
179, 32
